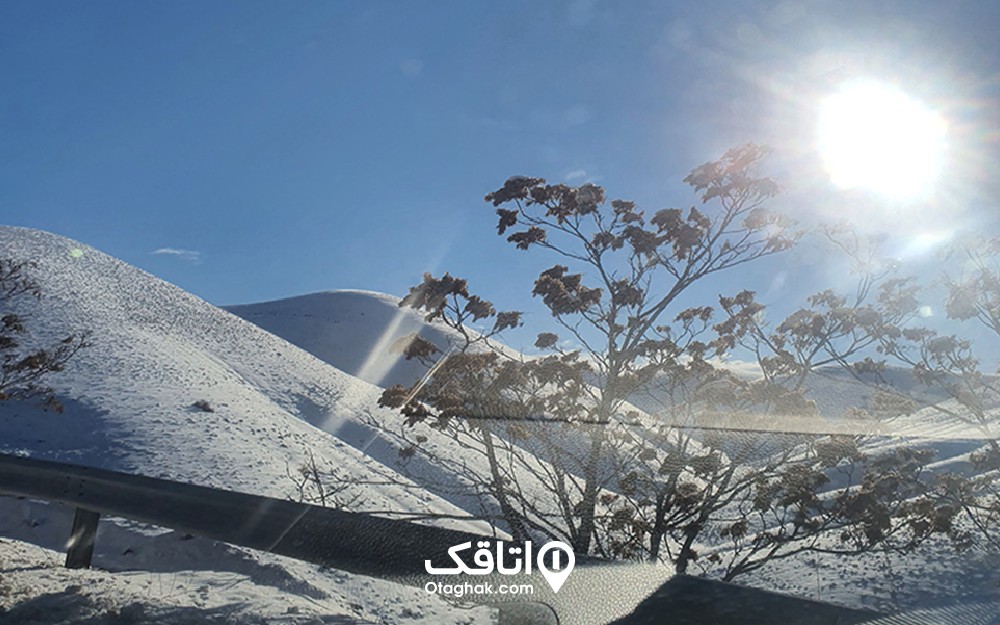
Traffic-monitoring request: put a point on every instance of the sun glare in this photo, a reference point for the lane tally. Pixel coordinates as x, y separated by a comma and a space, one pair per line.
875, 137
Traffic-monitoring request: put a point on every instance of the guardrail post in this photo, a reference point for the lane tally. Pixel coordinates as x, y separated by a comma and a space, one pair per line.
80, 547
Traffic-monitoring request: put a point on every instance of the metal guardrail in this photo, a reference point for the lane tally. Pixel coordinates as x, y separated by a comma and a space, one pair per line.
354, 542
349, 541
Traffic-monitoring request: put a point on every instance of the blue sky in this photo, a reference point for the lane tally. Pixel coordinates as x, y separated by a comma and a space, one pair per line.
272, 149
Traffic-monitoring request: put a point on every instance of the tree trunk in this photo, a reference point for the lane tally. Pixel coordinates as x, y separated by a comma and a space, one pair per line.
589, 504
656, 535
686, 555
655, 539
515, 523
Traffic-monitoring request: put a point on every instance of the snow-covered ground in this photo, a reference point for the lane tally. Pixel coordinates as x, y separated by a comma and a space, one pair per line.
303, 378
149, 575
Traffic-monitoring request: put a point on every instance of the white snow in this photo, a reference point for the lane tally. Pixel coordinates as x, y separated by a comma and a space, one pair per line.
304, 377
359, 332
147, 575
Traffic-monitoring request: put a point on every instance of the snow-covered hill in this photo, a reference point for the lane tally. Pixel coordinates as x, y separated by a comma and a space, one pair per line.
154, 351
358, 332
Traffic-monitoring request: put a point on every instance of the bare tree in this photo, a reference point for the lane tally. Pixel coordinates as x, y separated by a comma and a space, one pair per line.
24, 367
324, 486
904, 504
623, 309
714, 456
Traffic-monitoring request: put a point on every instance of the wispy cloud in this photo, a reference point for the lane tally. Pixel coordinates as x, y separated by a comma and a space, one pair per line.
579, 176
190, 256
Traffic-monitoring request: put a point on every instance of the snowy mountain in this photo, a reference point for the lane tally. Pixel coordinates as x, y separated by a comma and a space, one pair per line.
155, 351
359, 332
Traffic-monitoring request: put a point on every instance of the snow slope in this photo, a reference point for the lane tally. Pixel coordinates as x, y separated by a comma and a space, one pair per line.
356, 331
155, 350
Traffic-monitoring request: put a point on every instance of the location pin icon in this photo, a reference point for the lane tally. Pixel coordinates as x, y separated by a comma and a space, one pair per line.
556, 577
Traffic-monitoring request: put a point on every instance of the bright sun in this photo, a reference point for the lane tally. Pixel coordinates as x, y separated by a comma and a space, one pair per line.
876, 137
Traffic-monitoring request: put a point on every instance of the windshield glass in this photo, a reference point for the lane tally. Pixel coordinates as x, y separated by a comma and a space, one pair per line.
458, 312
